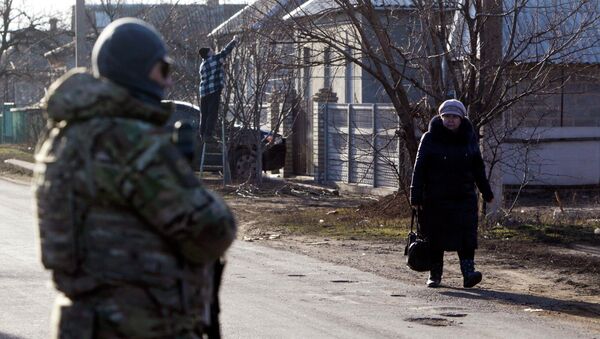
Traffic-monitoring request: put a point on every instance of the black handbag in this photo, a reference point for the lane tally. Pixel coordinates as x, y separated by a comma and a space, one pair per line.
418, 249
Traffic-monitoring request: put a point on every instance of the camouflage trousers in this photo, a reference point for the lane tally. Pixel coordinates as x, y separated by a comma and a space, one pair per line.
105, 317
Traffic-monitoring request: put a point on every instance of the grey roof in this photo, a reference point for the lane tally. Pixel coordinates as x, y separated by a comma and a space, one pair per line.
188, 24
29, 47
565, 30
256, 15
192, 19
318, 7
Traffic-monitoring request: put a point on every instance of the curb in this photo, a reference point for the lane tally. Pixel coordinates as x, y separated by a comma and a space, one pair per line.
20, 163
16, 181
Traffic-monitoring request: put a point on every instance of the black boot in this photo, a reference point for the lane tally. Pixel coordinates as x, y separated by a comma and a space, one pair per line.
470, 276
435, 275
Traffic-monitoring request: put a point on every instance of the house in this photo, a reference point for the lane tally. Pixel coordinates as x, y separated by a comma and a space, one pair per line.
349, 81
260, 24
256, 16
184, 26
545, 137
552, 137
556, 137
339, 68
261, 81
317, 67
28, 73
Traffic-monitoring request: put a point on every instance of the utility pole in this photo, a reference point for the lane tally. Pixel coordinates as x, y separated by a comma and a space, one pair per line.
80, 33
491, 57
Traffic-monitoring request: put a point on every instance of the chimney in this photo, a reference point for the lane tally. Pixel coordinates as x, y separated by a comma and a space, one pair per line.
53, 24
212, 3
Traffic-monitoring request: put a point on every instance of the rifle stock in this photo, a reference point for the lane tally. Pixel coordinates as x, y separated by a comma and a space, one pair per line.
214, 330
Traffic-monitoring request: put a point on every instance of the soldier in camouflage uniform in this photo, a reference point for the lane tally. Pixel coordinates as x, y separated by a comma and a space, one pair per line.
127, 230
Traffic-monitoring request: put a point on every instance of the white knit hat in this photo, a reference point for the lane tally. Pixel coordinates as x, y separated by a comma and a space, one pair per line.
453, 106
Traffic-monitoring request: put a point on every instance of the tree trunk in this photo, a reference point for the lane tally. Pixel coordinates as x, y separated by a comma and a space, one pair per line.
491, 58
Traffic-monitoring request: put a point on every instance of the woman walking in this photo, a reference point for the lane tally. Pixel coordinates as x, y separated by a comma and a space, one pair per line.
448, 166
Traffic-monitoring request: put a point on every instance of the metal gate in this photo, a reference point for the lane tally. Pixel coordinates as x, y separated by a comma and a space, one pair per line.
361, 144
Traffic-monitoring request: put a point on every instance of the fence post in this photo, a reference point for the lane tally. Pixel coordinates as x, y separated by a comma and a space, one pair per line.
290, 111
321, 132
2, 124
349, 143
274, 110
374, 142
8, 129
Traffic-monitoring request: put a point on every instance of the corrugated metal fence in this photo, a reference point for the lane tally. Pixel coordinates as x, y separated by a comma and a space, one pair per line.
361, 145
20, 125
357, 144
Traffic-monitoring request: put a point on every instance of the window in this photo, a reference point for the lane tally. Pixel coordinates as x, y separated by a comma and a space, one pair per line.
102, 19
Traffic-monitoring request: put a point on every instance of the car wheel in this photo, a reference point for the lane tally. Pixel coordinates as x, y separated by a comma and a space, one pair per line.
244, 164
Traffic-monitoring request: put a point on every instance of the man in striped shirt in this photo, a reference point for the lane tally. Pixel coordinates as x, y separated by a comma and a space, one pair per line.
211, 84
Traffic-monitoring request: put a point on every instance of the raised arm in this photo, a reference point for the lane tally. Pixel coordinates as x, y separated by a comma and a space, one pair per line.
227, 50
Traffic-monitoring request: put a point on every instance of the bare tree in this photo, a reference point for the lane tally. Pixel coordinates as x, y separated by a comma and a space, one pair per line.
477, 50
491, 55
260, 92
259, 72
110, 11
24, 38
184, 27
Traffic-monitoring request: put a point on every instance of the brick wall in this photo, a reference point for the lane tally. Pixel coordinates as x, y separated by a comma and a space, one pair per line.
320, 99
576, 104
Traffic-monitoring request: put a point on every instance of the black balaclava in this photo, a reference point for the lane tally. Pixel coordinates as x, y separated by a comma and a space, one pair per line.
125, 53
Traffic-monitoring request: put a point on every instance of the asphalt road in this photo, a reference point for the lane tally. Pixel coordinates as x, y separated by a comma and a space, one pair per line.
275, 294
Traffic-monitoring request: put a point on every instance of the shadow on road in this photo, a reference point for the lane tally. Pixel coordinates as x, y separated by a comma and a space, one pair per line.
578, 308
9, 336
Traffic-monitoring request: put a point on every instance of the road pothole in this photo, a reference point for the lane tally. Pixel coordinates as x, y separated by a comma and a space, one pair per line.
429, 321
453, 315
398, 295
342, 281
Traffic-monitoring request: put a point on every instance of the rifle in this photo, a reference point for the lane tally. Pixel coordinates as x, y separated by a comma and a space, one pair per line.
184, 139
214, 329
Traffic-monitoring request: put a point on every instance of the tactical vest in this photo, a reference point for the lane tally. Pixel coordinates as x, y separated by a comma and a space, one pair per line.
91, 244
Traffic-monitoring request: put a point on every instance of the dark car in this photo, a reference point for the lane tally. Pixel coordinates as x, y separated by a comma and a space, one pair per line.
241, 146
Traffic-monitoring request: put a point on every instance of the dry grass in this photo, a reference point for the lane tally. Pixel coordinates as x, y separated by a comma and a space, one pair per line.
343, 223
19, 152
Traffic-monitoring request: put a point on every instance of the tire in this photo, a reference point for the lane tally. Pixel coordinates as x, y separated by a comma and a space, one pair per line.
243, 164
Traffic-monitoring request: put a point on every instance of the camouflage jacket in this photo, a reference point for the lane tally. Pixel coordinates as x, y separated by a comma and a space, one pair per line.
118, 206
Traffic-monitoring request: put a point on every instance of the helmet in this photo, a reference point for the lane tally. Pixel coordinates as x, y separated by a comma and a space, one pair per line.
125, 53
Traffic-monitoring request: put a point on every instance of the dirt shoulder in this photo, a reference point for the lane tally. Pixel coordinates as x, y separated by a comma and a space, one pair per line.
537, 262
534, 273
11, 171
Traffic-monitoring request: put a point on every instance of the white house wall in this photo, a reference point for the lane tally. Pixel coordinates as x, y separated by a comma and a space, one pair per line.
558, 156
347, 90
553, 156
557, 136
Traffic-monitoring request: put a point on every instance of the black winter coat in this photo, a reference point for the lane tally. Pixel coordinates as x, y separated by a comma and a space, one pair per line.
448, 166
